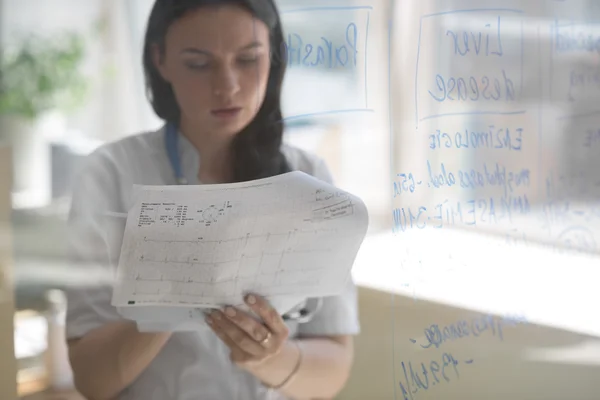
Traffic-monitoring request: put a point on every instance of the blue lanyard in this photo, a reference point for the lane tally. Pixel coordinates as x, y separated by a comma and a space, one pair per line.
171, 138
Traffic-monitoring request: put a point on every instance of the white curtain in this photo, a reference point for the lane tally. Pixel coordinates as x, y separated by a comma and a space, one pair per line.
125, 108
138, 12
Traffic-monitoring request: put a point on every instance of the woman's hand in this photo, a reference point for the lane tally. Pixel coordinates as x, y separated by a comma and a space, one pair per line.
251, 342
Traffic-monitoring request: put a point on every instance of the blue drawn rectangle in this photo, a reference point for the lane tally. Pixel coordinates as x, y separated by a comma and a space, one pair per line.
473, 87
326, 55
577, 83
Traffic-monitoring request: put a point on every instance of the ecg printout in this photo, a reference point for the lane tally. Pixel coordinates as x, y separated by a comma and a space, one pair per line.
286, 237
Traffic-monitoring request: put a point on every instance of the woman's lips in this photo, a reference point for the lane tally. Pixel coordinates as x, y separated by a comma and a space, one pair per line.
226, 112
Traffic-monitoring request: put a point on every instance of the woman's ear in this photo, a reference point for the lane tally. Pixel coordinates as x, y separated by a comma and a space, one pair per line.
158, 58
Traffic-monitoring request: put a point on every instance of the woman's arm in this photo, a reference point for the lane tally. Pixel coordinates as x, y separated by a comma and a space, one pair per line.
324, 367
108, 359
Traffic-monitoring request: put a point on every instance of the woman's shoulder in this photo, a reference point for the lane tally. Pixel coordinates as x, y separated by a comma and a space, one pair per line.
307, 162
119, 162
128, 148
129, 156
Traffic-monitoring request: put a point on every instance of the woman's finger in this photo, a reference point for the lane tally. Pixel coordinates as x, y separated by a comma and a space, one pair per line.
251, 326
222, 335
236, 335
269, 315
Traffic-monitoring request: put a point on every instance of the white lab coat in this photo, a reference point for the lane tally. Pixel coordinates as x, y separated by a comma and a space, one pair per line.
192, 365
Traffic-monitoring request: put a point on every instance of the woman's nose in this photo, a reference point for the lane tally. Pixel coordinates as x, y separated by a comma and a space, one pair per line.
226, 82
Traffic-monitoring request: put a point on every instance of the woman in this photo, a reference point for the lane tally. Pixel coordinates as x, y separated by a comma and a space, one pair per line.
214, 71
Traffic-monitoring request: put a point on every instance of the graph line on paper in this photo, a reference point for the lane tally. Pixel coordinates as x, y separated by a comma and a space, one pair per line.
334, 231
190, 279
196, 262
173, 268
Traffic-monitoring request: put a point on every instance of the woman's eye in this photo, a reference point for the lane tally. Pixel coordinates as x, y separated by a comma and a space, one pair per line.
197, 66
248, 60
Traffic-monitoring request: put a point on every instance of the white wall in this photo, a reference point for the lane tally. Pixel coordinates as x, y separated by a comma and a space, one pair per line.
112, 109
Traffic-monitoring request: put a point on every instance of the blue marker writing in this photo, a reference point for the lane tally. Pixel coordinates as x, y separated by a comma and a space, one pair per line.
436, 336
491, 138
427, 376
465, 42
323, 53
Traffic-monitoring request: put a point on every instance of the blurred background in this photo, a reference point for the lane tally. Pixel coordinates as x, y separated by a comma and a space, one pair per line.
73, 81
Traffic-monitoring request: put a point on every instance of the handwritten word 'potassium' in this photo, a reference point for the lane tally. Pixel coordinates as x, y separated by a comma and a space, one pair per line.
436, 336
418, 378
325, 53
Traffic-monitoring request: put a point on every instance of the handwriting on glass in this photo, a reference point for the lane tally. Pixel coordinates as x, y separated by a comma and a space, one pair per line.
436, 336
592, 138
443, 369
325, 53
427, 375
475, 88
488, 175
578, 38
478, 211
499, 138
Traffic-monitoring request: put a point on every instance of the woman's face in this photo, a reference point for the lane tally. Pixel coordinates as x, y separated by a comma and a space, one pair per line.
217, 61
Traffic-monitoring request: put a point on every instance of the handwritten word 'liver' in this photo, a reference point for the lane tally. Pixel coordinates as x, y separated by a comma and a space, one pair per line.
464, 42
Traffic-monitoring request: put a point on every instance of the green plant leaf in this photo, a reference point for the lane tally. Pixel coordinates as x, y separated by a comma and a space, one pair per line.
41, 74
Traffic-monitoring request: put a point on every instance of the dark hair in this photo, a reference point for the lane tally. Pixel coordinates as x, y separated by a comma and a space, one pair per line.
257, 148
